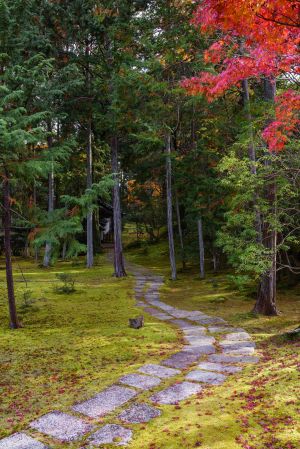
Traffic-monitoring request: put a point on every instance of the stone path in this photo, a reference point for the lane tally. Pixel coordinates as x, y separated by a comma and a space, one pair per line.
213, 350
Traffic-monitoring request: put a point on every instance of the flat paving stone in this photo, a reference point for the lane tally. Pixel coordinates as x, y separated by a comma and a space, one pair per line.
160, 371
21, 441
180, 313
194, 330
219, 329
176, 393
226, 358
200, 349
207, 377
209, 320
111, 434
61, 426
105, 402
140, 381
139, 413
219, 367
239, 351
184, 324
181, 360
200, 340
236, 344
240, 336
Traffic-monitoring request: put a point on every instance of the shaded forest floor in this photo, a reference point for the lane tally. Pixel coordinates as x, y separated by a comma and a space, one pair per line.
74, 345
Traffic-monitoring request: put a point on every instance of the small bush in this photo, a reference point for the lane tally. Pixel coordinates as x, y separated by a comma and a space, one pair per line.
67, 283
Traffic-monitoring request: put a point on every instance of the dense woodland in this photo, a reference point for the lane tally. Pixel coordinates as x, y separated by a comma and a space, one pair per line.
181, 115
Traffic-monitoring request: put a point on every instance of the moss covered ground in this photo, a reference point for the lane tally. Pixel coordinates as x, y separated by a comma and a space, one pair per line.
74, 345
256, 409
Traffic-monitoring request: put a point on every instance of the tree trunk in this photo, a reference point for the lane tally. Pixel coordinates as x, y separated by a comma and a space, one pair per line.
89, 182
201, 248
252, 157
169, 209
117, 216
64, 250
14, 322
215, 260
267, 289
89, 172
48, 248
180, 233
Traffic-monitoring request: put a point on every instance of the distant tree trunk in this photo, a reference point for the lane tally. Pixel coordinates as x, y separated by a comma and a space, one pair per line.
252, 156
89, 172
215, 260
169, 209
267, 289
14, 322
201, 248
48, 248
89, 183
64, 250
180, 233
117, 216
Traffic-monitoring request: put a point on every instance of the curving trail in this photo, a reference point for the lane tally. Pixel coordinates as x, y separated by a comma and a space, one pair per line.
212, 351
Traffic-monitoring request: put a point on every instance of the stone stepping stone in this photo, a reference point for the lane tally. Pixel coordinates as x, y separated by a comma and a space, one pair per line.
219, 329
140, 381
105, 402
194, 330
165, 307
236, 344
239, 336
181, 360
180, 313
159, 371
139, 413
226, 358
141, 304
184, 324
238, 351
209, 320
61, 426
111, 434
206, 377
21, 441
211, 366
199, 351
176, 393
200, 340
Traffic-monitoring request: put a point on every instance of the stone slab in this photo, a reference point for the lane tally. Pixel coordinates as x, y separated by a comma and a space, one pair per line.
239, 351
176, 393
61, 426
219, 367
194, 330
207, 377
111, 434
181, 360
209, 320
219, 329
21, 441
200, 340
180, 313
236, 344
139, 413
226, 358
200, 350
105, 402
183, 324
140, 381
160, 371
239, 336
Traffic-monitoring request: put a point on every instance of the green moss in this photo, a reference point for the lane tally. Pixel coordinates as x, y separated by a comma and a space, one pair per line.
254, 409
71, 346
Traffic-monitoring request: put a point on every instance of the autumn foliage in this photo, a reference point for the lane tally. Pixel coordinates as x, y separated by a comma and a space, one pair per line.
259, 39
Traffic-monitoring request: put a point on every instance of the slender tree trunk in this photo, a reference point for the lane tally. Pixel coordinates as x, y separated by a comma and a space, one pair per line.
117, 216
64, 250
48, 248
14, 322
267, 289
252, 157
89, 182
215, 260
169, 209
201, 248
180, 233
89, 172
